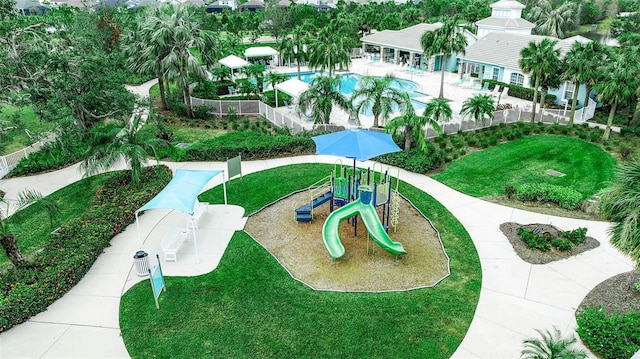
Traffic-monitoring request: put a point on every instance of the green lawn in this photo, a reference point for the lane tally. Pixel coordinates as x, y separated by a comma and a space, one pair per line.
34, 226
17, 139
250, 307
588, 168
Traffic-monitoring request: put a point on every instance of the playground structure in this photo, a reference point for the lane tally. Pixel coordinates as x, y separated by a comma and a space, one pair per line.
353, 193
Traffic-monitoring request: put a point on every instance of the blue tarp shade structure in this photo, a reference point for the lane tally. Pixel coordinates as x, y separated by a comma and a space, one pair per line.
181, 193
355, 143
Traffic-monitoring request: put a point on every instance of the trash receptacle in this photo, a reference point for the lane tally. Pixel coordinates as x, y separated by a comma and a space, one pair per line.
141, 261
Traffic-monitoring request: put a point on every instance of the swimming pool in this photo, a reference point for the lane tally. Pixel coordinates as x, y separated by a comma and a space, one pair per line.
349, 82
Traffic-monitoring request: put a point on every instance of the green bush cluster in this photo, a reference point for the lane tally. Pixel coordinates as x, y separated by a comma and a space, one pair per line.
519, 91
251, 145
611, 337
543, 243
72, 250
533, 241
52, 155
269, 97
415, 160
211, 90
565, 197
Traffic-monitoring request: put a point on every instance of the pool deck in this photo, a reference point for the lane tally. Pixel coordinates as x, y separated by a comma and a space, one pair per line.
428, 84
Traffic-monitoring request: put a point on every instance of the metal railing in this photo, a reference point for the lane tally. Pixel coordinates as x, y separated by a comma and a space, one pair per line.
10, 161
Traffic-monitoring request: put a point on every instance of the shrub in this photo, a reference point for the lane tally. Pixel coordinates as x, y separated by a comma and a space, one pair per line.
611, 337
70, 252
415, 160
269, 97
534, 241
251, 145
577, 236
561, 244
565, 197
509, 191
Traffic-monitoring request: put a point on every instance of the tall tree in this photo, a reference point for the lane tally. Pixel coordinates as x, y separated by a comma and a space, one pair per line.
445, 40
179, 30
413, 125
328, 52
619, 203
295, 45
619, 84
478, 107
323, 93
379, 94
551, 20
584, 64
536, 59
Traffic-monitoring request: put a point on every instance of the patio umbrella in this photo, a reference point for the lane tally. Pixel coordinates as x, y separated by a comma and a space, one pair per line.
358, 144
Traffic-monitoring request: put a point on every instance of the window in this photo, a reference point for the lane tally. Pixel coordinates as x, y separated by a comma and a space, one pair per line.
568, 90
517, 79
496, 73
472, 68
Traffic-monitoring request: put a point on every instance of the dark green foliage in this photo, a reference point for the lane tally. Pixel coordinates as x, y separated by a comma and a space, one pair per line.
70, 252
524, 93
249, 144
561, 244
269, 97
611, 337
576, 236
565, 197
415, 160
51, 156
534, 241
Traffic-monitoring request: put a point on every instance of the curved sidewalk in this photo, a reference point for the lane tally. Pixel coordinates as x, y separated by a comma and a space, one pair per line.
516, 297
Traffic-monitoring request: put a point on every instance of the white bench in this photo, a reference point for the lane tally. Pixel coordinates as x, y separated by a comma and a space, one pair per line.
172, 242
198, 210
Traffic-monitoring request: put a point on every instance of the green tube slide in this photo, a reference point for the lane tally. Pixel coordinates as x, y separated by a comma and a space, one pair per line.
330, 230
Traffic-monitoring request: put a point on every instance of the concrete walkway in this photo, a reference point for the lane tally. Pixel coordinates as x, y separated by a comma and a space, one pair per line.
516, 297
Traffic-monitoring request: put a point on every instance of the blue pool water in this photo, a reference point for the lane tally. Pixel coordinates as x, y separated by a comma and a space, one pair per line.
349, 82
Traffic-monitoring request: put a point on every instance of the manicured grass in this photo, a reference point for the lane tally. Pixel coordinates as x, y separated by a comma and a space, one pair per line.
588, 168
250, 307
17, 139
34, 224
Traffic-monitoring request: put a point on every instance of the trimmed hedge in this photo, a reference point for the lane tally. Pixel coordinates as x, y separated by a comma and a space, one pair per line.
68, 255
51, 156
524, 93
565, 197
415, 160
611, 337
251, 145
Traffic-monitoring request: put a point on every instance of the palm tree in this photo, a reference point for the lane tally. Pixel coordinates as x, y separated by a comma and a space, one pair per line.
329, 52
583, 66
551, 345
323, 93
413, 125
9, 231
478, 107
380, 94
619, 203
221, 73
274, 78
552, 21
549, 80
538, 58
256, 72
618, 86
179, 31
145, 55
438, 110
127, 143
445, 40
295, 46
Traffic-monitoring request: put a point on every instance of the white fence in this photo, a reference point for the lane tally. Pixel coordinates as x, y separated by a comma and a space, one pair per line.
10, 161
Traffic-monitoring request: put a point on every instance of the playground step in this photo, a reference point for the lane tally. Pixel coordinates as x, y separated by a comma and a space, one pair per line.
303, 213
321, 199
303, 217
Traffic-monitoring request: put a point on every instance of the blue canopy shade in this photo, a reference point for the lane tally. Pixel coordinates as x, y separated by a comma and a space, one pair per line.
355, 143
182, 191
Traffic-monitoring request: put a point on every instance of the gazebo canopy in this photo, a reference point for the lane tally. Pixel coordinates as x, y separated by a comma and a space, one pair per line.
260, 51
233, 62
293, 87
